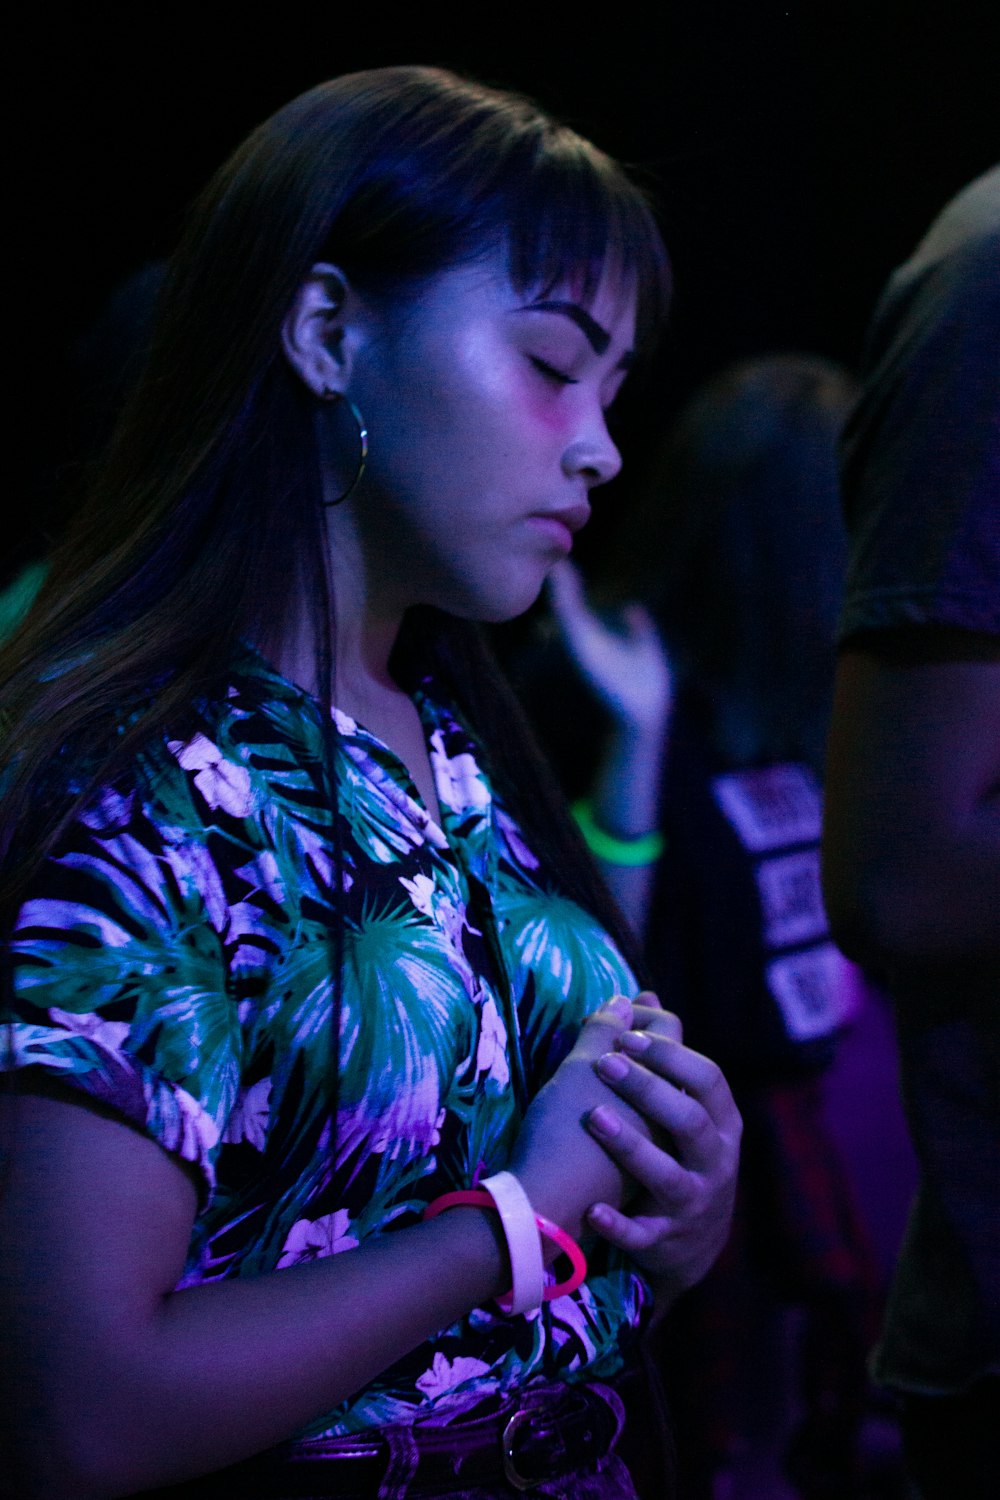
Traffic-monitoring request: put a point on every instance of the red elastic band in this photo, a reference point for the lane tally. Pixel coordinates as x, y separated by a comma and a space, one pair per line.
463, 1198
567, 1244
479, 1198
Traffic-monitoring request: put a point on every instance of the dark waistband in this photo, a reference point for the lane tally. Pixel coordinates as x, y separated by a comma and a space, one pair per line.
513, 1443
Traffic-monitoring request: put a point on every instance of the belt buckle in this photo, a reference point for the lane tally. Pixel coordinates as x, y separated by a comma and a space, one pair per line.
516, 1422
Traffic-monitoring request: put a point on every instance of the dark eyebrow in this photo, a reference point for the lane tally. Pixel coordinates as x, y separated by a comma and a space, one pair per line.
597, 337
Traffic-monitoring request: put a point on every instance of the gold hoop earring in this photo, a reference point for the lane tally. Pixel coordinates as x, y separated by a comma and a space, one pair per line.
359, 420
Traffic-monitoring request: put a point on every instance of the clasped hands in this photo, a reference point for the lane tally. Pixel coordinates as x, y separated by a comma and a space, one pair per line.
676, 1136
635, 1137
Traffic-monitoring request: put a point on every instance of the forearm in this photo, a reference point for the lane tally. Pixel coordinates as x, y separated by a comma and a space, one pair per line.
912, 840
116, 1381
914, 895
216, 1373
940, 900
626, 803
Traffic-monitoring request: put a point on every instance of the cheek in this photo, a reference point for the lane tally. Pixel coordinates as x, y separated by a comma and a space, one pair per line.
495, 432
537, 409
490, 389
544, 412
475, 417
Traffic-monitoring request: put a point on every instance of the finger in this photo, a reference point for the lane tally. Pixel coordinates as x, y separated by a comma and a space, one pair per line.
640, 625
566, 594
656, 1020
658, 1171
695, 1137
616, 1011
633, 1234
602, 1028
691, 1071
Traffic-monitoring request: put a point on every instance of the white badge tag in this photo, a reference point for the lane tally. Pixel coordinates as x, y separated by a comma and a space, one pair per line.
771, 807
815, 990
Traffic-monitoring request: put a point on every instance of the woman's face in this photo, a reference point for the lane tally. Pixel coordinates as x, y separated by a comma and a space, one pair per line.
486, 412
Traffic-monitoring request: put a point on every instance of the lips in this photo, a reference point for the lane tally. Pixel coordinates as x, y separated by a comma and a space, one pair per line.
572, 517
557, 527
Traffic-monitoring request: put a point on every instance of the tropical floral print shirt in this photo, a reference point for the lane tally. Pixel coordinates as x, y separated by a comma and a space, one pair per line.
174, 962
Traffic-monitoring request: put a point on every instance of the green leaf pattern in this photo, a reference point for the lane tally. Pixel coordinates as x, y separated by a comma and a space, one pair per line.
174, 961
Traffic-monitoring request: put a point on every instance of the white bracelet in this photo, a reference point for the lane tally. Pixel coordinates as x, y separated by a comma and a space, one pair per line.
524, 1243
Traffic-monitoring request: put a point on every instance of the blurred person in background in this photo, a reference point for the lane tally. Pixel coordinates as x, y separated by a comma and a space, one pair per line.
912, 843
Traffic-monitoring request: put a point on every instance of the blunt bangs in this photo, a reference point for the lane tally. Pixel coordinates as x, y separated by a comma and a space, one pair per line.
447, 171
575, 216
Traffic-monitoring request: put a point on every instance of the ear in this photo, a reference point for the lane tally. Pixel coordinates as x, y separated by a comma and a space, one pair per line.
318, 333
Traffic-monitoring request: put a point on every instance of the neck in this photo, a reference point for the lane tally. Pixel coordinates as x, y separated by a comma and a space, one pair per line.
364, 627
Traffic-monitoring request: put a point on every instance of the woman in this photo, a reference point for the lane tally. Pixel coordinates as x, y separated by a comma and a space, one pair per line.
302, 941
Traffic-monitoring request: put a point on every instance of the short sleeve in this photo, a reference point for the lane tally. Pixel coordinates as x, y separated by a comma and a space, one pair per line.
922, 449
119, 983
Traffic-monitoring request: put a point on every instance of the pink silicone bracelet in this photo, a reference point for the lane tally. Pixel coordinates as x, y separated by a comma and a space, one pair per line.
567, 1244
478, 1198
524, 1242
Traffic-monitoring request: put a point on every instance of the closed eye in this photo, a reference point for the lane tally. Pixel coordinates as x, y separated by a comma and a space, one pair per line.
550, 372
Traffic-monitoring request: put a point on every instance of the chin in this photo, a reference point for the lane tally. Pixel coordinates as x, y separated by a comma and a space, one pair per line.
495, 607
493, 596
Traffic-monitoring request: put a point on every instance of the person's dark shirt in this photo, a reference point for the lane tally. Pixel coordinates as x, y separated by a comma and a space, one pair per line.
922, 498
921, 472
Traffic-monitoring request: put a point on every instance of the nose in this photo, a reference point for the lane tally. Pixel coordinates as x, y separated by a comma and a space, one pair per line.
592, 455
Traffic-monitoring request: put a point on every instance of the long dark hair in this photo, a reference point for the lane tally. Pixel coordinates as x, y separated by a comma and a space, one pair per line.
208, 499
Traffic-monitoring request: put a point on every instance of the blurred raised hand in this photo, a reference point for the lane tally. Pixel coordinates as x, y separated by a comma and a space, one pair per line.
625, 664
627, 668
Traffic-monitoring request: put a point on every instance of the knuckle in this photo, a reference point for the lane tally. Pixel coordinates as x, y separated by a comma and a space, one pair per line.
602, 1022
691, 1118
713, 1078
639, 1084
669, 1030
676, 1182
629, 1144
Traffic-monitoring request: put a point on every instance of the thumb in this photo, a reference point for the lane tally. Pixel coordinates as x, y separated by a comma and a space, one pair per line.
602, 1026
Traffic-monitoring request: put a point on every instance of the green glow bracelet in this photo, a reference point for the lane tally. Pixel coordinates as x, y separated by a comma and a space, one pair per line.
644, 850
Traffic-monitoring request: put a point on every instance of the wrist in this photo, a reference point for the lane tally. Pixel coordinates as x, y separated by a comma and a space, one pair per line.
524, 1232
643, 730
473, 1245
614, 848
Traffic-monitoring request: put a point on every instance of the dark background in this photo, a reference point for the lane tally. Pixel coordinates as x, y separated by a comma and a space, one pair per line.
797, 150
